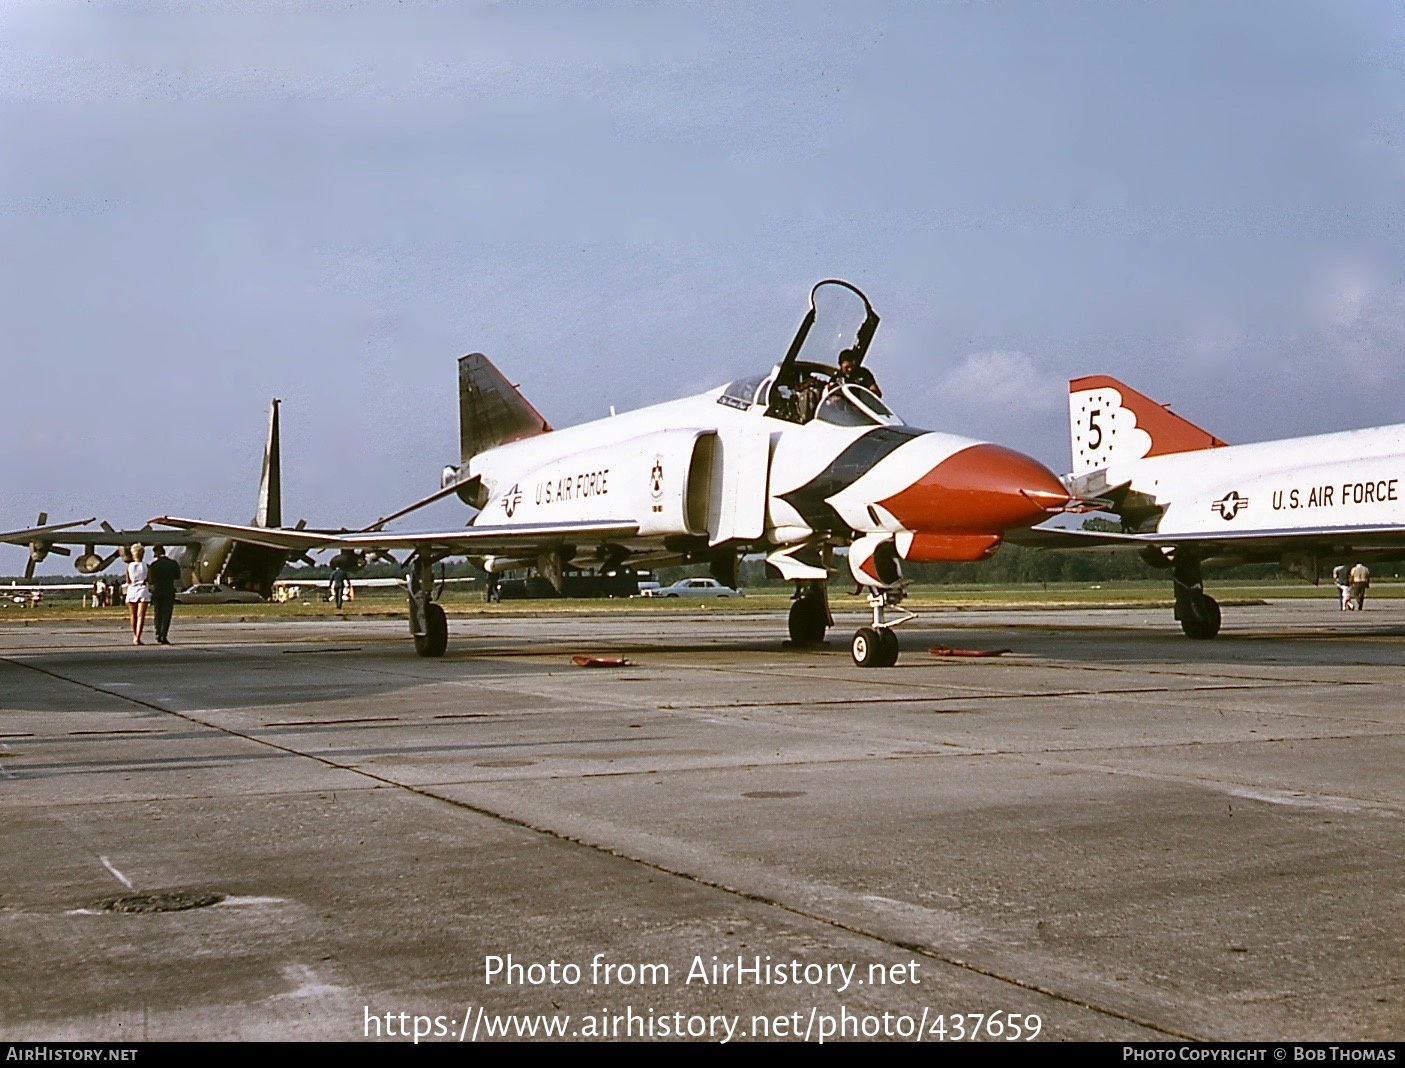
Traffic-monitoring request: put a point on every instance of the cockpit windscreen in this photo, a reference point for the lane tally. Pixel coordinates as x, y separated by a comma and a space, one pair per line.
851, 405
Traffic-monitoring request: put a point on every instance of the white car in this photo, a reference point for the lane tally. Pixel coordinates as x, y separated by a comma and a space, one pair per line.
695, 587
214, 593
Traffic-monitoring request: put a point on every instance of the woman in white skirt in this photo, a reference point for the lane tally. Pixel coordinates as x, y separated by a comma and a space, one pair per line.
138, 592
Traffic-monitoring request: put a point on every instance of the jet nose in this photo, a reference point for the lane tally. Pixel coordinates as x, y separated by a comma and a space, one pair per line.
981, 488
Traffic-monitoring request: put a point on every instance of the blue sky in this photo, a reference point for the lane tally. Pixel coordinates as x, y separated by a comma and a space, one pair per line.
203, 206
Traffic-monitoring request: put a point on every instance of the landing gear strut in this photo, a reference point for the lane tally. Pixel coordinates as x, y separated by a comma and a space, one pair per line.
1199, 614
428, 624
877, 646
809, 612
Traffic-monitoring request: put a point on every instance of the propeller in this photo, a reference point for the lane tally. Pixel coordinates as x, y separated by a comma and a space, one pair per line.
38, 549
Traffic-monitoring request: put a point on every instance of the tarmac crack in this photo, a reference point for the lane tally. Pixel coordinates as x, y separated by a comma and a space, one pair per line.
974, 695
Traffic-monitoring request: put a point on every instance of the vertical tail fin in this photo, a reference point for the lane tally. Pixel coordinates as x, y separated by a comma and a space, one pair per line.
491, 410
270, 506
1109, 421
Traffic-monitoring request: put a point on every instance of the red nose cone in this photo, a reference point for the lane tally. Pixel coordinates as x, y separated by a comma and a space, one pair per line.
983, 488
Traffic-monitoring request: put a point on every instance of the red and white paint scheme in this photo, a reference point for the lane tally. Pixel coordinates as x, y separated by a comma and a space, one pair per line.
792, 463
1192, 502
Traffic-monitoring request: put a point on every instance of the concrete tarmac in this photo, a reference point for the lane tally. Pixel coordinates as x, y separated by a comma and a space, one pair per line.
1115, 830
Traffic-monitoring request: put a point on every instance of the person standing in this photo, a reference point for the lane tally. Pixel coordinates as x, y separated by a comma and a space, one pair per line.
163, 576
1360, 580
338, 584
138, 593
1341, 576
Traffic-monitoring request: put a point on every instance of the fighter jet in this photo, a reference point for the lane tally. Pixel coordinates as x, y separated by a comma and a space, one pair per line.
1189, 502
234, 562
792, 463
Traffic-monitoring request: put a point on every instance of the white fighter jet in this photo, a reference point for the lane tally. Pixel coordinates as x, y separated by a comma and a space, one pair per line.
1190, 502
791, 463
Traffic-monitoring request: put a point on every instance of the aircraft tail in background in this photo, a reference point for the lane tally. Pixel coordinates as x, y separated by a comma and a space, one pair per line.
269, 512
1111, 422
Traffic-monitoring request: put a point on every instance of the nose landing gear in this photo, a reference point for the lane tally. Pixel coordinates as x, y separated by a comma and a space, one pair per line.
877, 646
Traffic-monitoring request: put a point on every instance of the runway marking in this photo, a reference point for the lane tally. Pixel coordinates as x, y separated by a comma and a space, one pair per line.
309, 985
120, 877
1320, 801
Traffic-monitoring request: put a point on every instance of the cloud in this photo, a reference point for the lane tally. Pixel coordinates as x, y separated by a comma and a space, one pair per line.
1361, 315
1005, 379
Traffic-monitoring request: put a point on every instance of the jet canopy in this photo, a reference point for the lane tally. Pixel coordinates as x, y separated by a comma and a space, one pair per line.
798, 391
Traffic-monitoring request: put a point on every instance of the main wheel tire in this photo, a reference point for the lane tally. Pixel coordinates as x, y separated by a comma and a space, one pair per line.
807, 621
1204, 631
888, 646
435, 638
866, 648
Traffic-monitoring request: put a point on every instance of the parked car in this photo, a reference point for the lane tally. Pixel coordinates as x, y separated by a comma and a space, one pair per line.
695, 587
215, 593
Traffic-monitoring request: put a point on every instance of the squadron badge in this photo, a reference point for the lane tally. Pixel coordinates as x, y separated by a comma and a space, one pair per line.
656, 482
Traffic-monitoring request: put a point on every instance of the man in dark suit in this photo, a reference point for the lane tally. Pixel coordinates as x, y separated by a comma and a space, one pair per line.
339, 579
163, 576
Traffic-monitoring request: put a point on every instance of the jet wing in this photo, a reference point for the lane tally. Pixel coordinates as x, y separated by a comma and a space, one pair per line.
466, 541
1327, 539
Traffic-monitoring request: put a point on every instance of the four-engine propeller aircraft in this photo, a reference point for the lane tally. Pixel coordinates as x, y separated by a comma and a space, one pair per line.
1190, 502
235, 562
791, 463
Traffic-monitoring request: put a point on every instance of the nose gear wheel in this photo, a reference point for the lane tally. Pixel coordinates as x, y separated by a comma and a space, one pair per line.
877, 645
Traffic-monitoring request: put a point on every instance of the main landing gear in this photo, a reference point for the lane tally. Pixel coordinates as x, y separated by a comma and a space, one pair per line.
809, 612
1199, 614
877, 646
428, 624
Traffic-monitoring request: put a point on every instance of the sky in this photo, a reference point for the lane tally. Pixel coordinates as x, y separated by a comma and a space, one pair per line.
205, 206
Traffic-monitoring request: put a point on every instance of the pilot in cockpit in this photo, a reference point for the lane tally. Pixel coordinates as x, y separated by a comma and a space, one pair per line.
854, 373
